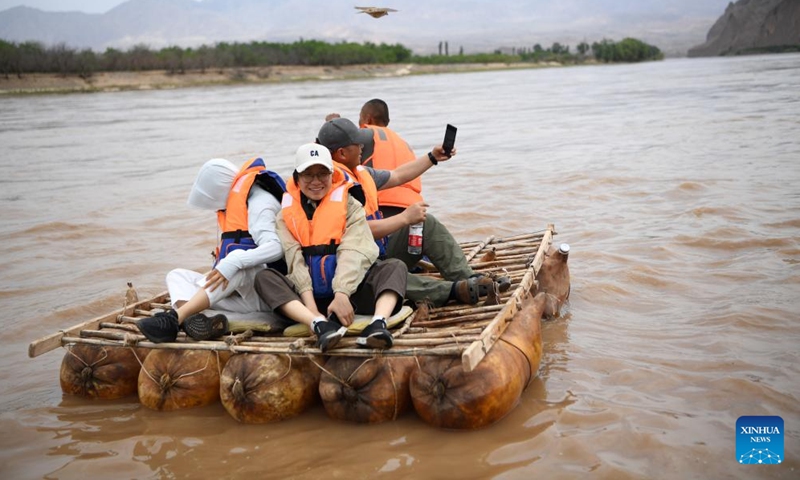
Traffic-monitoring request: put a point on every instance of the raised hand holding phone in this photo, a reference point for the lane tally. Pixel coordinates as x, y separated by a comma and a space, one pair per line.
449, 139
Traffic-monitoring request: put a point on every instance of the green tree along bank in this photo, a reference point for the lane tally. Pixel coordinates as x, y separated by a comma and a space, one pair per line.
628, 50
33, 57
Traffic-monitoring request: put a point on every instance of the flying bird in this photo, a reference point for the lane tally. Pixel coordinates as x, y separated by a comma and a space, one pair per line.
376, 12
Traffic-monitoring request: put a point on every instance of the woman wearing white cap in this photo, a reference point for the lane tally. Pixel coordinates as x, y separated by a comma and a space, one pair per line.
331, 256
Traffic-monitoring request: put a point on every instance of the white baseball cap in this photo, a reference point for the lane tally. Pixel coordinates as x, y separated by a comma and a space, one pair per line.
312, 154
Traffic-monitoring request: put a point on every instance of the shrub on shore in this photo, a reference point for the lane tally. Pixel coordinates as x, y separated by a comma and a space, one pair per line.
34, 57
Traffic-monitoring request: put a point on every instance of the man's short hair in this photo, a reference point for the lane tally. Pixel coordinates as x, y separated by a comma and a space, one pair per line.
378, 110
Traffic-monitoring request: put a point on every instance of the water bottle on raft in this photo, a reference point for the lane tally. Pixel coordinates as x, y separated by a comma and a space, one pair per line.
415, 239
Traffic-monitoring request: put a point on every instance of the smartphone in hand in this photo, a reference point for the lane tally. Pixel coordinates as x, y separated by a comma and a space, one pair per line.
449, 139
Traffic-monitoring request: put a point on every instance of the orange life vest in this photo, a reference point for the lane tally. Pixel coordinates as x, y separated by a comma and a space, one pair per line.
390, 152
370, 199
232, 221
320, 236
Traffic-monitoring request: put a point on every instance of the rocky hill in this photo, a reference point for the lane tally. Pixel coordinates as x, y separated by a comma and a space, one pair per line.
753, 25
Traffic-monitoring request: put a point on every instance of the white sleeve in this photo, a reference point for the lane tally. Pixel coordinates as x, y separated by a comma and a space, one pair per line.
262, 211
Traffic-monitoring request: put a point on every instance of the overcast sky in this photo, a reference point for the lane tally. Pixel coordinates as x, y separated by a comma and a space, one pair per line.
88, 6
479, 25
102, 6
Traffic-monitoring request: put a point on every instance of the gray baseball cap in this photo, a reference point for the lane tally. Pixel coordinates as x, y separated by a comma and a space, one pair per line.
341, 132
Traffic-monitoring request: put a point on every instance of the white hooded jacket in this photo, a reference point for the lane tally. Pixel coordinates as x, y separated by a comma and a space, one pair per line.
210, 192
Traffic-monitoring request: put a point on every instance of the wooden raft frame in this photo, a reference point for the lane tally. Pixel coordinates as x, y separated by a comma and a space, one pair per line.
468, 331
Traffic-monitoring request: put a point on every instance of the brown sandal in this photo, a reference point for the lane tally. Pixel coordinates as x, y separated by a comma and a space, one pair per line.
503, 283
469, 291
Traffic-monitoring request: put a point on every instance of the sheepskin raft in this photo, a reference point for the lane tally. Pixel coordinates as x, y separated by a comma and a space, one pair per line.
180, 379
96, 371
366, 390
264, 387
458, 366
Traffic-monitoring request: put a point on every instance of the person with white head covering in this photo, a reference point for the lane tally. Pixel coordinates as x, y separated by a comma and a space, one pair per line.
247, 202
213, 182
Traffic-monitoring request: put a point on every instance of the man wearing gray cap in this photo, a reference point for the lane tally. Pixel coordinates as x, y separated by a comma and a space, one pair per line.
345, 141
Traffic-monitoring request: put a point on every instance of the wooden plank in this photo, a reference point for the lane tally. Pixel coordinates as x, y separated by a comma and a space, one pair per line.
440, 332
289, 350
455, 320
471, 254
474, 353
471, 339
521, 236
452, 340
478, 349
119, 326
469, 310
543, 248
512, 246
53, 341
497, 263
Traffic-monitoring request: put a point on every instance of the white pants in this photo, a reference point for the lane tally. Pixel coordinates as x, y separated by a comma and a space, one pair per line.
239, 297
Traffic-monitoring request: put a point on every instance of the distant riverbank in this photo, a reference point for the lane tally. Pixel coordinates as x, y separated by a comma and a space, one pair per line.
161, 79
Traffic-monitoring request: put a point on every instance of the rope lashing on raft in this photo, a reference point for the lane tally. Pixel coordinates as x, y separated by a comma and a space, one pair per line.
103, 349
233, 340
238, 390
130, 340
455, 338
124, 308
346, 383
416, 359
394, 388
439, 389
326, 371
529, 261
165, 378
131, 298
423, 310
527, 360
122, 313
88, 370
358, 368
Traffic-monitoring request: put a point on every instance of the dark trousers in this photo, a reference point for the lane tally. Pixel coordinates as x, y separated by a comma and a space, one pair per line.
277, 290
438, 245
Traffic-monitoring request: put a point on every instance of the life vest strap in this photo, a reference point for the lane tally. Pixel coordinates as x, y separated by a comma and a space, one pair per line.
236, 235
320, 250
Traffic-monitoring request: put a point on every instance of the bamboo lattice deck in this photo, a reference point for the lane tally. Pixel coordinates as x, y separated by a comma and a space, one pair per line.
468, 331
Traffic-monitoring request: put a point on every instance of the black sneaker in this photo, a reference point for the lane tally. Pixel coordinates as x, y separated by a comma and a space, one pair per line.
161, 327
375, 336
201, 327
329, 333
